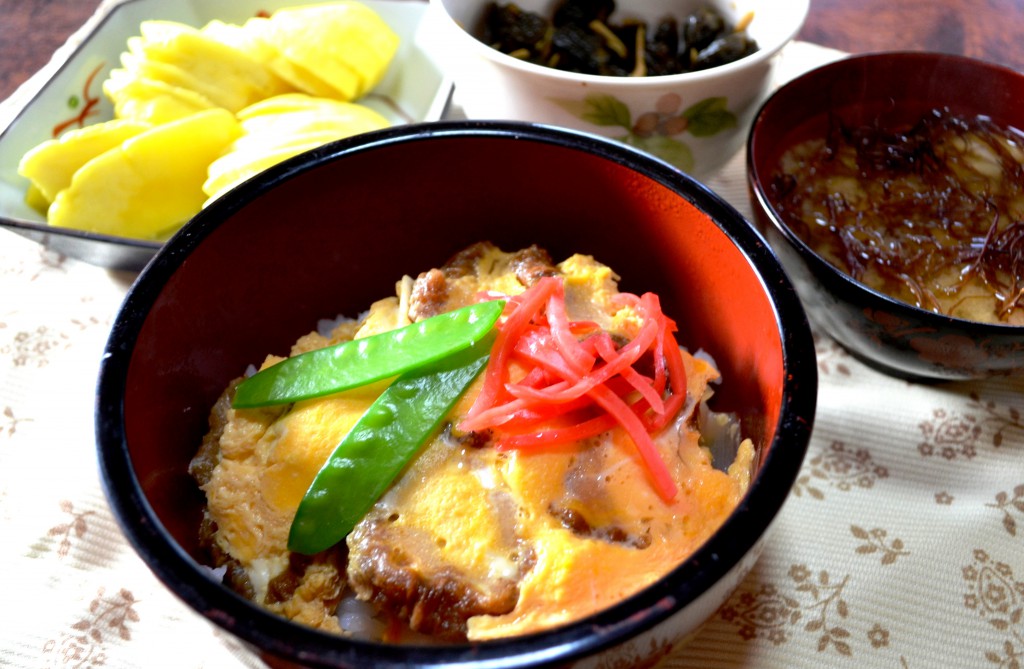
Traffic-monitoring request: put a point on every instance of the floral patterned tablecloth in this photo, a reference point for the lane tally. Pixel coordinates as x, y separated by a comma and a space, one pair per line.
902, 544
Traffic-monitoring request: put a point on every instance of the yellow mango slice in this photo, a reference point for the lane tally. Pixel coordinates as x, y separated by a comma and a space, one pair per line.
140, 67
246, 38
282, 104
349, 119
345, 43
302, 128
234, 36
270, 137
237, 79
149, 185
347, 20
232, 169
135, 44
51, 164
297, 75
261, 143
158, 30
151, 100
35, 199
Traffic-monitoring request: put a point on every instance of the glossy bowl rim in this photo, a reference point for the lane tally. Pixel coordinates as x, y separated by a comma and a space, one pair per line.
556, 76
809, 255
686, 583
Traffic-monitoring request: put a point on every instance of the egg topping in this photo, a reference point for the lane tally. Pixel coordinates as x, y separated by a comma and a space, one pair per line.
471, 542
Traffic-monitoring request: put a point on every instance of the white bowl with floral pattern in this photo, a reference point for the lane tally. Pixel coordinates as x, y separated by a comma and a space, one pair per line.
695, 121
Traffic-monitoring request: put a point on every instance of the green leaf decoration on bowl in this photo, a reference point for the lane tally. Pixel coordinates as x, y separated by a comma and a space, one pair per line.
656, 131
670, 150
606, 110
709, 117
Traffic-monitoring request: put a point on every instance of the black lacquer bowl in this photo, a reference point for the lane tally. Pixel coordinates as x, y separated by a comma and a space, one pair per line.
891, 89
329, 231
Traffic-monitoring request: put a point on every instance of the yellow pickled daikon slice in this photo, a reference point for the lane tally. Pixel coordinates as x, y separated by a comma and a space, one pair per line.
151, 184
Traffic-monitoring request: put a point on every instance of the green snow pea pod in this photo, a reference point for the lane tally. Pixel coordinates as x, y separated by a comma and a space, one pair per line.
362, 361
379, 446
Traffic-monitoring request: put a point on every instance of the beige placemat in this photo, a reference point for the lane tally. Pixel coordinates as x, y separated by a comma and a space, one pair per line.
902, 544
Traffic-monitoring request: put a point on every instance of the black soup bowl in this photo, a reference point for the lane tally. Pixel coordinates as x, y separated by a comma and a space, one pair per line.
890, 91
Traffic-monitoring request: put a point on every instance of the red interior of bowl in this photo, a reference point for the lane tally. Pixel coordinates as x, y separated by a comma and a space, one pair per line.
338, 236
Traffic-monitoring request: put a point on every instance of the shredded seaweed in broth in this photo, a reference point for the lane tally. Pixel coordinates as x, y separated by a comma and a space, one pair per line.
931, 214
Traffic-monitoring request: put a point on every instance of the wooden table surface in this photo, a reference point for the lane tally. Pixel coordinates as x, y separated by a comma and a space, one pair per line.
30, 30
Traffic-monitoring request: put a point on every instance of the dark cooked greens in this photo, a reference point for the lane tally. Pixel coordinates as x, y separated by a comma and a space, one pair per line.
580, 37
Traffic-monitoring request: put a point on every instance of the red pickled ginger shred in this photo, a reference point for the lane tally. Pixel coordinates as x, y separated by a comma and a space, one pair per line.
577, 382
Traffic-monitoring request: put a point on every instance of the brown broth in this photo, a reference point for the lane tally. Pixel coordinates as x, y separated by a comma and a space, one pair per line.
931, 214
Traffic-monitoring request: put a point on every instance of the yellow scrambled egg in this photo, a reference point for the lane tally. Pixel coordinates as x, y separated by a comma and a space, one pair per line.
567, 530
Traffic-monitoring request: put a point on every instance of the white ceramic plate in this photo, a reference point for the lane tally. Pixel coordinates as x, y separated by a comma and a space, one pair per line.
414, 90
